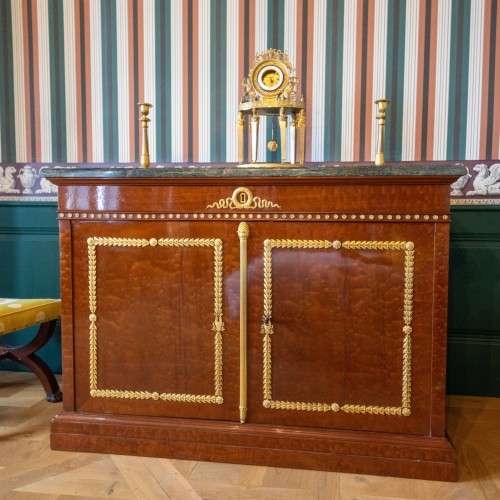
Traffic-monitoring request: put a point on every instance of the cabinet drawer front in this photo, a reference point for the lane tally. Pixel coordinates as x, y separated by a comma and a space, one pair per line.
250, 196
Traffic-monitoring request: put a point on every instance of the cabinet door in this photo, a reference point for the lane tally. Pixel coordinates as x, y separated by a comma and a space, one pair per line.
153, 329
341, 325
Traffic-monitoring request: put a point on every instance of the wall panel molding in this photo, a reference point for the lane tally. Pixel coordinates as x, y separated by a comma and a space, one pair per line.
480, 337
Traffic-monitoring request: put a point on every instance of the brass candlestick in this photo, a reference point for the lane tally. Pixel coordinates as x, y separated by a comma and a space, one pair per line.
381, 109
241, 126
144, 108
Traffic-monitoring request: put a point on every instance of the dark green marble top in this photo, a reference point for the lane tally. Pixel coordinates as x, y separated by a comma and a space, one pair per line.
232, 170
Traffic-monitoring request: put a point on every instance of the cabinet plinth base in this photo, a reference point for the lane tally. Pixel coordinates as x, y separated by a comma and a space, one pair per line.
253, 444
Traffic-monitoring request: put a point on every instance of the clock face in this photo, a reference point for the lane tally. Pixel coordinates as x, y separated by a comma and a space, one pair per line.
270, 79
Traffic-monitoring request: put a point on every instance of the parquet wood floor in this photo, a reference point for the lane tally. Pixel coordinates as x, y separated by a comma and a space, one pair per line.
30, 470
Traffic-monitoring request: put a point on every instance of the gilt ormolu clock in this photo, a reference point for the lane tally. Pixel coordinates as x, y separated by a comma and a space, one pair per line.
270, 89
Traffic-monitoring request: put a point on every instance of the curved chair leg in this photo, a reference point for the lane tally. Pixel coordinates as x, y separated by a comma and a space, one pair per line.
26, 356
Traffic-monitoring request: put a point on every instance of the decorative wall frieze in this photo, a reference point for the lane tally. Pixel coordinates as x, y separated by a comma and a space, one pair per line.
22, 182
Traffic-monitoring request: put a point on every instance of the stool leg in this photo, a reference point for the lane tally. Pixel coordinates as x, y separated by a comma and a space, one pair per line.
26, 356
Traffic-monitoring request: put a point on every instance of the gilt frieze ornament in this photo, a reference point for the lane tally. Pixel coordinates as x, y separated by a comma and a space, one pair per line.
270, 90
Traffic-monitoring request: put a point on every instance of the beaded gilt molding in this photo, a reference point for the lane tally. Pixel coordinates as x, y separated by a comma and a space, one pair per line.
267, 328
217, 326
295, 216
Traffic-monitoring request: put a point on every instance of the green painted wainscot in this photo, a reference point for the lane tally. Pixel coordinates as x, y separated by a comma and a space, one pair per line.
473, 366
29, 266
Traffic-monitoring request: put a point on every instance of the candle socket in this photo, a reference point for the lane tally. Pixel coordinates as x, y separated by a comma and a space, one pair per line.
144, 108
381, 116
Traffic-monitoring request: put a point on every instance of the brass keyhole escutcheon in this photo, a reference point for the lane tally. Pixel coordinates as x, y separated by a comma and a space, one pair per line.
242, 198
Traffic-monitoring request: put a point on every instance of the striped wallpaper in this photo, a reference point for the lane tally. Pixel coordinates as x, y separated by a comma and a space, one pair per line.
72, 71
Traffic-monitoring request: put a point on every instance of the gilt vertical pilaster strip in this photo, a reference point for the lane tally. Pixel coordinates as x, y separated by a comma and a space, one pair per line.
243, 232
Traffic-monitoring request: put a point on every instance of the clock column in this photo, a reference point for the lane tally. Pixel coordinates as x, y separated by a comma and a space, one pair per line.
254, 130
283, 123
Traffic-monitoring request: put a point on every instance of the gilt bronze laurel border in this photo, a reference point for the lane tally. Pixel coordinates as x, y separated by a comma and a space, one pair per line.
267, 327
217, 327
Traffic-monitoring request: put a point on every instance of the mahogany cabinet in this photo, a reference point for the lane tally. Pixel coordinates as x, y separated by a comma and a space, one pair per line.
289, 317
